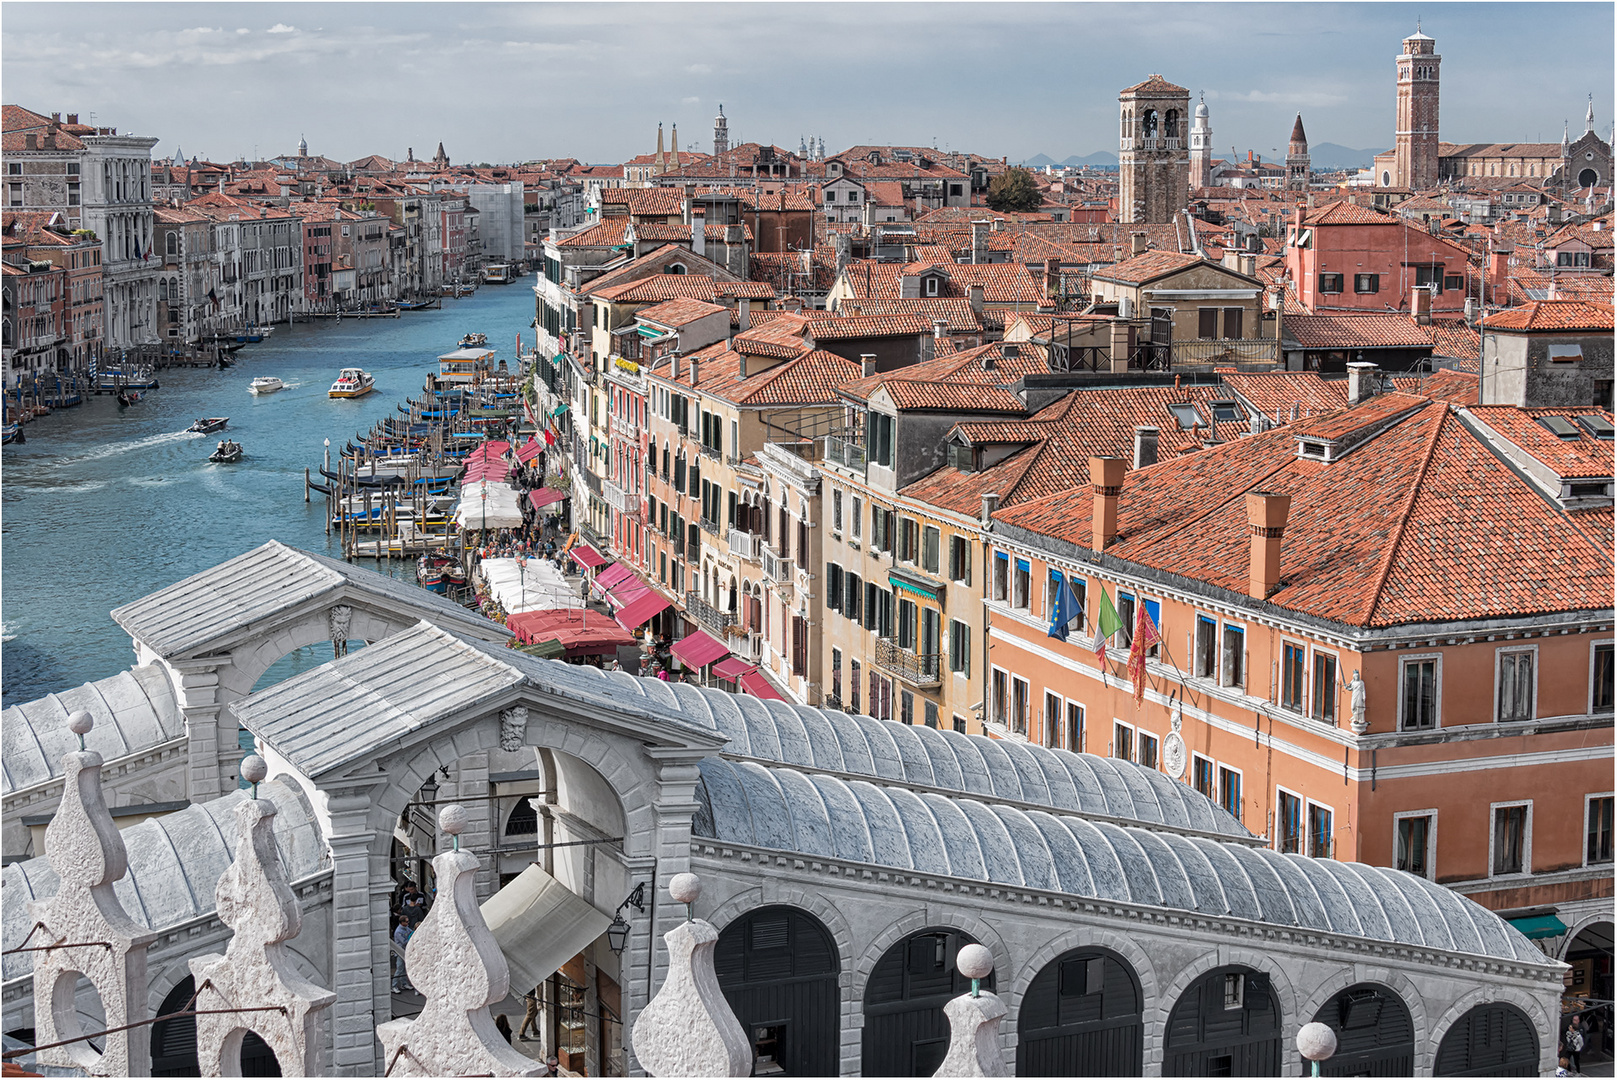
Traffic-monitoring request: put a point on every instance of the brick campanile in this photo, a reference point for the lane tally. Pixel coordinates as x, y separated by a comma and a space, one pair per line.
1153, 151
1415, 149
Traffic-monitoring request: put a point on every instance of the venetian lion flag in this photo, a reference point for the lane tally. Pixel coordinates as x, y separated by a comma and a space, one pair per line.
1107, 623
1145, 636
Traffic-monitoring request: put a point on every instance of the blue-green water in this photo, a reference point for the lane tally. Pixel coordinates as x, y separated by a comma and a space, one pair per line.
101, 506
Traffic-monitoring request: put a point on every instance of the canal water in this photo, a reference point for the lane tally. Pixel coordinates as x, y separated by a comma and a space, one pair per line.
103, 505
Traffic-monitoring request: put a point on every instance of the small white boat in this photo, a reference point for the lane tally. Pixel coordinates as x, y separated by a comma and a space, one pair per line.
352, 383
265, 384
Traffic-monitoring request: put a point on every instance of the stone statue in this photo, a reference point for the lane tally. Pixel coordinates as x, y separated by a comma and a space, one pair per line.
513, 727
338, 619
1355, 687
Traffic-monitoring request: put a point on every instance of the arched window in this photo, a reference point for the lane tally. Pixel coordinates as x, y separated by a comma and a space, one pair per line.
1148, 124
1081, 1017
162, 288
1490, 1040
778, 969
906, 1032
1170, 126
524, 819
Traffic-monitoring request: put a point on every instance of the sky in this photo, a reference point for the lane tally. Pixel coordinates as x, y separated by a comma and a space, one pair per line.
508, 82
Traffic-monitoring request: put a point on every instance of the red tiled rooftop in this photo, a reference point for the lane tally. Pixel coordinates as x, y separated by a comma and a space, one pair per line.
1351, 331
1554, 315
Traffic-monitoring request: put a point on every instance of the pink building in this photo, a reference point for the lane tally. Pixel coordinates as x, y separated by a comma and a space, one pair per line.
1352, 258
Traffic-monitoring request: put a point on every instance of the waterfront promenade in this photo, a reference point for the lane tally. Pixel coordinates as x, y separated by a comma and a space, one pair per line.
103, 505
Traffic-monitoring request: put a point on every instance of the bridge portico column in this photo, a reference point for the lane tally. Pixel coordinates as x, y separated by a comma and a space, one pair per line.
471, 781
212, 750
361, 960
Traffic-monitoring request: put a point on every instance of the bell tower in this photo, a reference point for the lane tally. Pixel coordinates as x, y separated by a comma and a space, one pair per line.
1298, 173
1153, 151
1415, 139
721, 134
1201, 148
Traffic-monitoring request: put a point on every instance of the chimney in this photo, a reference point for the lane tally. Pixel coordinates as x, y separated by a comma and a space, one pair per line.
1249, 265
73, 118
1420, 305
990, 504
673, 366
1136, 244
30, 141
940, 328
56, 119
689, 202
1052, 275
695, 377
1106, 480
867, 364
1145, 446
744, 314
1363, 378
1499, 265
976, 294
1266, 514
699, 231
999, 224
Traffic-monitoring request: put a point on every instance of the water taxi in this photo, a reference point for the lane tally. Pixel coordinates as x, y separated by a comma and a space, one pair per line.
352, 383
497, 274
209, 424
264, 384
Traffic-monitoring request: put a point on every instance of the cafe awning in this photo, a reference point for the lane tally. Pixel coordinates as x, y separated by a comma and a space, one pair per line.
540, 924
613, 574
1539, 926
733, 668
698, 649
588, 557
529, 450
641, 608
755, 684
543, 497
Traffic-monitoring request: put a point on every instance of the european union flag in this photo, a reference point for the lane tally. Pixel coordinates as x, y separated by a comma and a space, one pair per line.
1067, 608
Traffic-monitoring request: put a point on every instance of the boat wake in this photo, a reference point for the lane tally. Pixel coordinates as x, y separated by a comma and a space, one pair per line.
128, 446
8, 632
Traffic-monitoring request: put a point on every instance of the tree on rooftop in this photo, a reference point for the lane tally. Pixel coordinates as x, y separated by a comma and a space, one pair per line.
1015, 190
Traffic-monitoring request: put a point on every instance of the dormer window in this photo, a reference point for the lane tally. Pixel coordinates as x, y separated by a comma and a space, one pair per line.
1315, 451
1225, 411
1186, 416
961, 457
1590, 490
929, 285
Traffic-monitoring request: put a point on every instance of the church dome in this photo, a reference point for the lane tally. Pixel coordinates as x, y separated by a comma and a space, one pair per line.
1201, 110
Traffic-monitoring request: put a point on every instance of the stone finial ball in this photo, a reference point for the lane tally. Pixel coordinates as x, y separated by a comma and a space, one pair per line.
685, 888
254, 768
452, 819
80, 723
1316, 1041
974, 961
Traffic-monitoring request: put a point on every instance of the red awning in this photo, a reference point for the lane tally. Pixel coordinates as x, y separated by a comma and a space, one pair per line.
529, 450
578, 630
641, 608
588, 557
627, 591
543, 497
755, 684
698, 649
612, 575
492, 448
733, 668
493, 471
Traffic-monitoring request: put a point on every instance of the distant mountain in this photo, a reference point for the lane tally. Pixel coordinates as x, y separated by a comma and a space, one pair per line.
1039, 161
1329, 157
1103, 158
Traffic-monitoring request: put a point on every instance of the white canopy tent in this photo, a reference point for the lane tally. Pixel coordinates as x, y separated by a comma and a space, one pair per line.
486, 505
540, 925
537, 587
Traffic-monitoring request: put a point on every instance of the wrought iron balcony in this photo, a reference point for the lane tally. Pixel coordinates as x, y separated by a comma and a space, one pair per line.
917, 669
712, 528
706, 614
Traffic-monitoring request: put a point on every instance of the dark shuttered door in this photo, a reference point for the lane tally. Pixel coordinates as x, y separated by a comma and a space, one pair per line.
1226, 1023
778, 969
1081, 1017
906, 1033
1490, 1040
1374, 1034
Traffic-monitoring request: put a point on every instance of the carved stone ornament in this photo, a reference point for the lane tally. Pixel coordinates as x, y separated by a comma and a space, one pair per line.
1173, 744
1355, 687
257, 971
688, 1029
107, 947
513, 727
455, 962
338, 619
974, 1036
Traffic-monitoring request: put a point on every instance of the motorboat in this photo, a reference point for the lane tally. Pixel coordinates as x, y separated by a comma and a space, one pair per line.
265, 384
473, 341
352, 383
12, 433
207, 425
113, 379
227, 453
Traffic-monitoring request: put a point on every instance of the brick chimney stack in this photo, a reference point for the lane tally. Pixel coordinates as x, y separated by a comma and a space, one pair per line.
1266, 514
1106, 481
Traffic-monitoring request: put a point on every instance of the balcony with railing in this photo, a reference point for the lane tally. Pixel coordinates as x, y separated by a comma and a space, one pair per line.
776, 569
712, 528
917, 669
745, 545
844, 452
1225, 351
706, 614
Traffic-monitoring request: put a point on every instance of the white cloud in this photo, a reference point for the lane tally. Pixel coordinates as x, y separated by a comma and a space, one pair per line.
281, 28
243, 30
690, 101
699, 69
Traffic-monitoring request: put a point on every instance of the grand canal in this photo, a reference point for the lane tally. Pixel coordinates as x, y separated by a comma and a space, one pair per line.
101, 505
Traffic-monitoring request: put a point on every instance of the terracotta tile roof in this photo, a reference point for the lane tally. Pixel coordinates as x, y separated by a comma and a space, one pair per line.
1147, 267
780, 337
1455, 387
746, 290
657, 288
633, 270
844, 327
1346, 213
810, 378
1423, 524
1354, 331
1287, 395
949, 488
656, 202
1155, 84
1580, 458
964, 367
677, 313
1456, 340
609, 233
1554, 315
1003, 283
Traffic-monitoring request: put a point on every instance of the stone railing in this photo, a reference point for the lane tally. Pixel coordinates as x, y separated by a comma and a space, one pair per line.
745, 545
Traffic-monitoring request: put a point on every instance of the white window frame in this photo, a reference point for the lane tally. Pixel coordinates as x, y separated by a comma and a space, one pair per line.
1336, 688
1225, 625
1431, 838
993, 711
1308, 832
1527, 838
1052, 738
1111, 745
1498, 680
1305, 700
1437, 703
1212, 773
1066, 725
1587, 799
1140, 734
1590, 700
1302, 820
1027, 701
1218, 787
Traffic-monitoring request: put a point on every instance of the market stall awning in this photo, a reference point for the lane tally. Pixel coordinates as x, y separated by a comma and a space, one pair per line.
588, 557
540, 924
755, 684
530, 450
733, 668
543, 497
1539, 926
487, 506
698, 649
641, 608
613, 574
